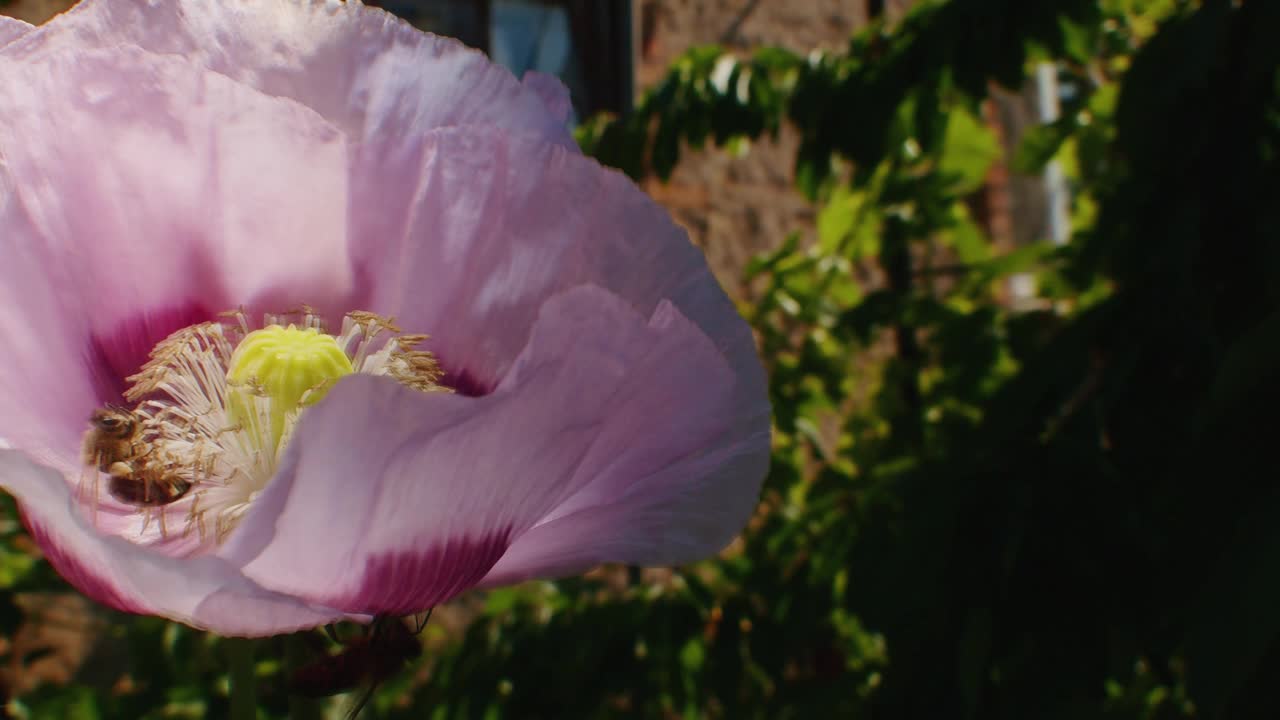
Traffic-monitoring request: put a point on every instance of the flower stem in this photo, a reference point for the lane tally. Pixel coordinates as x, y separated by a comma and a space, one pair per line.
244, 696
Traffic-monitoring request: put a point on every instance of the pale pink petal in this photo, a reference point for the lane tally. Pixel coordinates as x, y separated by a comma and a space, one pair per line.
671, 480
11, 29
58, 365
158, 194
494, 224
553, 93
206, 592
45, 393
362, 68
394, 501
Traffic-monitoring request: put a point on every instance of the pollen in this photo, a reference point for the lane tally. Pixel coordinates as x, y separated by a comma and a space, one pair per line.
214, 408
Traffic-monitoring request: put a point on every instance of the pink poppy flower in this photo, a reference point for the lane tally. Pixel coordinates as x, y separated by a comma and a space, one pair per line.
593, 396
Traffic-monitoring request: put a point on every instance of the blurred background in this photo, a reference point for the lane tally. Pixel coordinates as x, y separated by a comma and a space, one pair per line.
1013, 269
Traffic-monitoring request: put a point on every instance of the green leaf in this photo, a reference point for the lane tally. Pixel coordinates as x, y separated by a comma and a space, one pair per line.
767, 262
1078, 40
837, 219
969, 148
967, 239
1021, 260
1039, 145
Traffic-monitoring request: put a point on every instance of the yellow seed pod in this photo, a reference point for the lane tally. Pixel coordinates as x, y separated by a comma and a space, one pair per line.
288, 367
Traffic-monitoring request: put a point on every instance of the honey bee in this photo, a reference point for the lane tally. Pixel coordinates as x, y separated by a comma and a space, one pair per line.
116, 445
367, 660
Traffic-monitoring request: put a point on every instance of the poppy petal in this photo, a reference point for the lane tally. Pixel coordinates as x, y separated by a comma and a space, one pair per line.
360, 67
500, 222
43, 328
393, 501
553, 93
200, 187
11, 29
202, 194
204, 592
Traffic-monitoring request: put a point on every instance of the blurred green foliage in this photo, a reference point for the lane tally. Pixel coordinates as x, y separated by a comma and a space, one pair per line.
1060, 507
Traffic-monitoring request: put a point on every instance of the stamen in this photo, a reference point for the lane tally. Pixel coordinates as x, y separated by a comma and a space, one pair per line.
217, 403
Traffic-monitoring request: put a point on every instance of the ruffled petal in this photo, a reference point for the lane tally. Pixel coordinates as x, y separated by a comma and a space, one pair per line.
553, 93
361, 68
394, 501
674, 474
43, 352
11, 29
494, 224
60, 360
198, 186
158, 194
205, 593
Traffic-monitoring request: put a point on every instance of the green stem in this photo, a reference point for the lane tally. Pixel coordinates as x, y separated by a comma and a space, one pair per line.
244, 696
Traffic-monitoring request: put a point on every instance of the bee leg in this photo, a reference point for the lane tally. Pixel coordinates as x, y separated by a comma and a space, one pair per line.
120, 470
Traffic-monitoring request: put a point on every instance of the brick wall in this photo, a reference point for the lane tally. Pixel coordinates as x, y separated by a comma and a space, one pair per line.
736, 207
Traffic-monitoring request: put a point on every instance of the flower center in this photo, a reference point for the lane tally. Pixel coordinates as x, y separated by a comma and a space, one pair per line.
217, 403
288, 366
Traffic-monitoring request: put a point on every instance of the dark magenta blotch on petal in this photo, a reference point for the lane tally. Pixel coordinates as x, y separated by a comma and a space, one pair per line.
464, 382
121, 352
403, 583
